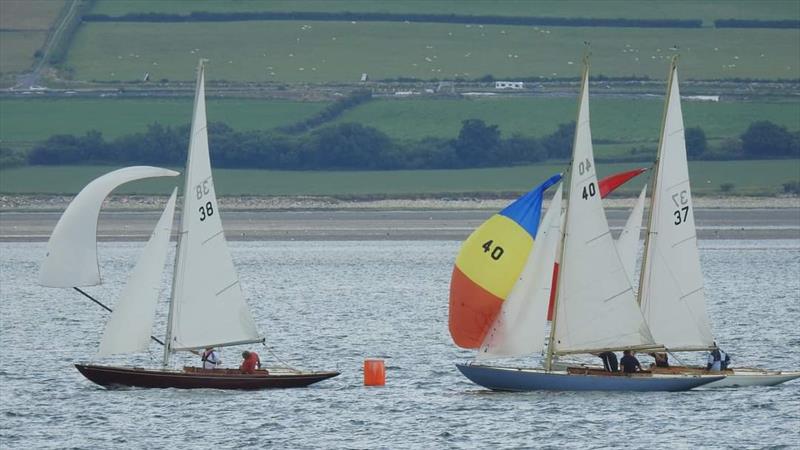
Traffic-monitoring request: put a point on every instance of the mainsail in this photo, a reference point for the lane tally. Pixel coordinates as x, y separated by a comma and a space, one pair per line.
128, 329
595, 307
208, 307
671, 289
519, 328
71, 258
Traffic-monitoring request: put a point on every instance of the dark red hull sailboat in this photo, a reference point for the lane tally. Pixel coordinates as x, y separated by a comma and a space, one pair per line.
196, 378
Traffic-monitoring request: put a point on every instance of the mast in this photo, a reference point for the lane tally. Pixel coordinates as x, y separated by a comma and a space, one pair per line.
181, 232
548, 365
654, 184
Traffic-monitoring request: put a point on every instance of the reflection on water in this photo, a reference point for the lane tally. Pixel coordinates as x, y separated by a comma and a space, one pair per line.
330, 305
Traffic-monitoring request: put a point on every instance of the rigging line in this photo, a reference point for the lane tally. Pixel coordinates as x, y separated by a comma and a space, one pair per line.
285, 364
108, 309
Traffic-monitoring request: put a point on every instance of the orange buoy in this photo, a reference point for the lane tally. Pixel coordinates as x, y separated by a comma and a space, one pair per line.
374, 372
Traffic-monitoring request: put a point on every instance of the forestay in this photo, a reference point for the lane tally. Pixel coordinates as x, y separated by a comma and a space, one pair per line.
519, 328
129, 327
71, 258
595, 307
672, 293
208, 307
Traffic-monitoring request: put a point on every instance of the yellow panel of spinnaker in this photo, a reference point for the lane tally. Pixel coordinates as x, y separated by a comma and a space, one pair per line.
494, 254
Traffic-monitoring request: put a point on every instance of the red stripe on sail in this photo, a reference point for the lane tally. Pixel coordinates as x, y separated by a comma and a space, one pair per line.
472, 310
552, 292
611, 182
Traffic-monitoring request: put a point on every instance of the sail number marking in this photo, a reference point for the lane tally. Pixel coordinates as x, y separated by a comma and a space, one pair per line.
206, 211
589, 191
681, 200
584, 166
495, 253
202, 189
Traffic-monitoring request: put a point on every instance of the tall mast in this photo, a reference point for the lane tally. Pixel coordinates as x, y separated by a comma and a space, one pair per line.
548, 365
654, 183
181, 232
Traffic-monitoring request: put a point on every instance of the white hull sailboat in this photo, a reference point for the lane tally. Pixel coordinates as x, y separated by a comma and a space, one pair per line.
672, 294
595, 308
207, 307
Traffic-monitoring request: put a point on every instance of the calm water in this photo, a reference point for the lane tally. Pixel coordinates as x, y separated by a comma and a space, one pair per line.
329, 305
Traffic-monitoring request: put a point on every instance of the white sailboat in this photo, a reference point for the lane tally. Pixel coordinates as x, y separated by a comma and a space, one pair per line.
595, 307
671, 294
207, 306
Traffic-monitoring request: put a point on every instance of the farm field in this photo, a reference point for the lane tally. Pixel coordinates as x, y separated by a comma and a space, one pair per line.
617, 119
747, 177
37, 119
322, 52
674, 9
23, 28
613, 119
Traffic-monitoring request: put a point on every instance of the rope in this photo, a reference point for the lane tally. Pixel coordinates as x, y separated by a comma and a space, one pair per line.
285, 364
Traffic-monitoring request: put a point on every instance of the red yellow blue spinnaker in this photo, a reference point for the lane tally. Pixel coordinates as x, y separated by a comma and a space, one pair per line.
489, 264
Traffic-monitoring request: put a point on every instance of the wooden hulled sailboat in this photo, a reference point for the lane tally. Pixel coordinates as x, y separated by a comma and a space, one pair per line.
672, 294
595, 308
207, 306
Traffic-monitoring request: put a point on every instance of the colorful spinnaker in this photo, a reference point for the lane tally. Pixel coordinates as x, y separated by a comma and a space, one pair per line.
489, 264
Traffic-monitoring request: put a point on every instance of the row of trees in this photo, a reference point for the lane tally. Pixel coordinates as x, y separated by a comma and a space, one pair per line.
355, 146
203, 16
344, 146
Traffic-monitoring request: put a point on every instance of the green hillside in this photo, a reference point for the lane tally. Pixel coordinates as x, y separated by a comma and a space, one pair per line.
322, 52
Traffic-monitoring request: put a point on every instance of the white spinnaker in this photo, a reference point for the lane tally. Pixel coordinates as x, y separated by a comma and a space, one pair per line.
208, 306
672, 292
71, 258
596, 308
628, 240
519, 328
129, 327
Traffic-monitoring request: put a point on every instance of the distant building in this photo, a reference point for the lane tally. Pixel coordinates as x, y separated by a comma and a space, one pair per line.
364, 77
509, 85
701, 98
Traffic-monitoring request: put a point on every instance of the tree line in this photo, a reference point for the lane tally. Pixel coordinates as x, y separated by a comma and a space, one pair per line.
354, 146
204, 16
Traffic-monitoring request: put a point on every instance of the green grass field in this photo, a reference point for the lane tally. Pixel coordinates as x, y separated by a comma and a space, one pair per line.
629, 120
623, 120
37, 119
748, 177
707, 9
23, 29
339, 51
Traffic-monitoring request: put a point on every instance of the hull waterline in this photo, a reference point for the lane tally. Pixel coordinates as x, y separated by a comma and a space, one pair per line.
516, 379
109, 376
735, 377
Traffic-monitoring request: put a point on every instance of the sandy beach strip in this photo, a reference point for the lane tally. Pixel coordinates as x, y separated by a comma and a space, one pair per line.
382, 224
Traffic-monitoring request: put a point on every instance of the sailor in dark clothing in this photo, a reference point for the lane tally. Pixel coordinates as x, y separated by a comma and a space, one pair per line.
609, 361
662, 360
629, 363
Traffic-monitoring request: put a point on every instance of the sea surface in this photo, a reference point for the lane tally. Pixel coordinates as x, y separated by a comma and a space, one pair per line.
329, 305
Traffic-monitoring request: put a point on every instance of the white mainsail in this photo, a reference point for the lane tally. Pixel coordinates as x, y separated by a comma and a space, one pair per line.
129, 327
208, 307
628, 240
672, 296
595, 306
71, 258
519, 328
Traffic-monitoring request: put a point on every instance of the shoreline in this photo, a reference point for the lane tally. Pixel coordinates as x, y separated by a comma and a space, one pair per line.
53, 203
